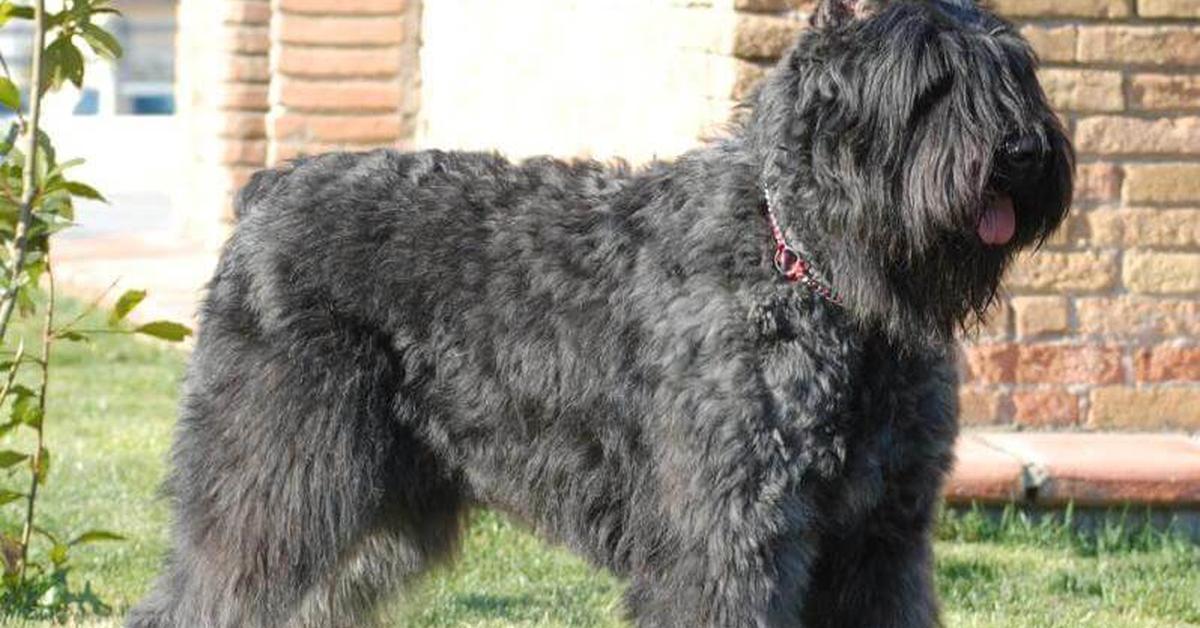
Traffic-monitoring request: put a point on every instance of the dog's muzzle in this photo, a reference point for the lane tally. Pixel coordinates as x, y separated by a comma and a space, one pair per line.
1019, 163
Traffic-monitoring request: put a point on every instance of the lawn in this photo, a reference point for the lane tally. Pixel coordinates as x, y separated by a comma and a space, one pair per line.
109, 426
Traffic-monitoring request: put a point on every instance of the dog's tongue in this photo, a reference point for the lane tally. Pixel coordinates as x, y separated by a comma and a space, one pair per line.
999, 222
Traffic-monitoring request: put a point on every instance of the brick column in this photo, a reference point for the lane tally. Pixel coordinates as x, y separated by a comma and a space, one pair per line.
222, 101
344, 75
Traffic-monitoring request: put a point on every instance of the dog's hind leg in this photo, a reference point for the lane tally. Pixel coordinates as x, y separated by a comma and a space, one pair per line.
300, 497
381, 562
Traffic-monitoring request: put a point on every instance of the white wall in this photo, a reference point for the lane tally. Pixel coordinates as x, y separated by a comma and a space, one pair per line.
631, 78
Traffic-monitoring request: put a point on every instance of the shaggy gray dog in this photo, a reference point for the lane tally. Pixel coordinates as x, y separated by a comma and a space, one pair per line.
728, 379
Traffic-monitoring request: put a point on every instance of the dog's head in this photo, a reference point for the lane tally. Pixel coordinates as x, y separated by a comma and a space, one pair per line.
909, 148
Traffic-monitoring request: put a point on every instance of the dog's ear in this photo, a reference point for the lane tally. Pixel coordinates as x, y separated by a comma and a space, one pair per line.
835, 13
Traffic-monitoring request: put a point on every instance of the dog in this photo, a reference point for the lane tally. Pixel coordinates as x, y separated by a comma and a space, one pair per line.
728, 378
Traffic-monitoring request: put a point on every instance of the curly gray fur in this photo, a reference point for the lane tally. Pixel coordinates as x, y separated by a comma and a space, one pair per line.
607, 354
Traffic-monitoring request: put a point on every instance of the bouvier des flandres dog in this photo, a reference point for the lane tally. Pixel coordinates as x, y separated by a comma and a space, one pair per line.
728, 379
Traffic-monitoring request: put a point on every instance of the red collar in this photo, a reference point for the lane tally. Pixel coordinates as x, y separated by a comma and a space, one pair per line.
790, 264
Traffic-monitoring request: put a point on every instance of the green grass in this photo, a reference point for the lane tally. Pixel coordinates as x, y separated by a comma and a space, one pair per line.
109, 427
1015, 572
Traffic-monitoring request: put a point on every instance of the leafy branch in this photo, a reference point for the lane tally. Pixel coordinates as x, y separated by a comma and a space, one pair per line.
28, 187
41, 457
36, 202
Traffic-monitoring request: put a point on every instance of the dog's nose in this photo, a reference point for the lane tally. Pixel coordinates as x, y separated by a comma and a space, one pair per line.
1023, 150
1021, 157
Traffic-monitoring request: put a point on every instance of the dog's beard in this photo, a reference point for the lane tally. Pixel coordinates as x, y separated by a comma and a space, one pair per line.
888, 159
929, 287
953, 283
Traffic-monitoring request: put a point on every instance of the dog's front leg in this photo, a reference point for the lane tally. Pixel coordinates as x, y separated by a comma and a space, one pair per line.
737, 538
879, 571
878, 574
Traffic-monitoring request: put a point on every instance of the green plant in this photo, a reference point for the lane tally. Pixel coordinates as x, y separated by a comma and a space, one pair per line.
36, 202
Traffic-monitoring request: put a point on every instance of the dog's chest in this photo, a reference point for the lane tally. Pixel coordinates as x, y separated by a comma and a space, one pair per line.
852, 413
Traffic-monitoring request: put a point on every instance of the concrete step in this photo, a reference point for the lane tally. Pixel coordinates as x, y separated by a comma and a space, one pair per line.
1088, 469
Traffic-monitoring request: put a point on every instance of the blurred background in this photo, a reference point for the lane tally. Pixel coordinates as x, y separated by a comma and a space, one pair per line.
124, 109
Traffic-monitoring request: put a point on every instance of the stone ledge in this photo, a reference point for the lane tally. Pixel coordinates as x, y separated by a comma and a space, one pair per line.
1088, 469
984, 473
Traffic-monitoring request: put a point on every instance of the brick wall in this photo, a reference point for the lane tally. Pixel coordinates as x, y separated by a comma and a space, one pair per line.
1102, 328
344, 75
601, 78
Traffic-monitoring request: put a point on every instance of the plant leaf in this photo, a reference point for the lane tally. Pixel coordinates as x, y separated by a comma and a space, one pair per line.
92, 536
102, 41
126, 304
46, 146
25, 304
84, 190
55, 20
71, 336
20, 391
25, 410
164, 330
64, 166
63, 62
10, 137
58, 554
10, 96
53, 74
9, 458
48, 534
7, 496
32, 416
